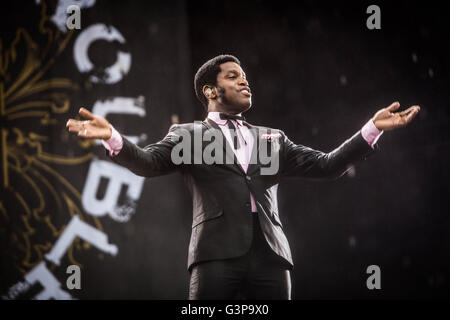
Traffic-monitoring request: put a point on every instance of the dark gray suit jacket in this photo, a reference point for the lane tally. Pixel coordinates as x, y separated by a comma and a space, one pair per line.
221, 227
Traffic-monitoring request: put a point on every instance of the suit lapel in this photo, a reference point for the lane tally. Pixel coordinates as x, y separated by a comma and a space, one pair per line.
254, 163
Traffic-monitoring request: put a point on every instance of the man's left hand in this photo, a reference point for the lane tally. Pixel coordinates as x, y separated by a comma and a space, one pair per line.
387, 119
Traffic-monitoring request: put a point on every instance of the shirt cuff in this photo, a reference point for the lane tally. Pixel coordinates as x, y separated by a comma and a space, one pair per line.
115, 143
371, 133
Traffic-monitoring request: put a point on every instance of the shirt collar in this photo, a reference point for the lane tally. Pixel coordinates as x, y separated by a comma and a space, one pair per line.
215, 116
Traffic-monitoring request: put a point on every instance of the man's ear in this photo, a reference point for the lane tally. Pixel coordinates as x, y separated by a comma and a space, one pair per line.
209, 92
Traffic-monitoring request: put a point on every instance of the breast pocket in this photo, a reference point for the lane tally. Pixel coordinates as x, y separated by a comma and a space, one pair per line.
206, 216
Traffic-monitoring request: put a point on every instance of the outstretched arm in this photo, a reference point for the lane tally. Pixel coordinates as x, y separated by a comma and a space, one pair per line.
302, 161
152, 160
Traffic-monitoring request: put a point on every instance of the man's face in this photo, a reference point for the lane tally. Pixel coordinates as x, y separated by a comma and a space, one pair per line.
233, 89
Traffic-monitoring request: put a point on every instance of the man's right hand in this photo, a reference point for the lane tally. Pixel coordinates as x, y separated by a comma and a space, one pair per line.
94, 127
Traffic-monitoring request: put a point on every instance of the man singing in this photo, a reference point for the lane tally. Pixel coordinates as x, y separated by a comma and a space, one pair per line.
237, 248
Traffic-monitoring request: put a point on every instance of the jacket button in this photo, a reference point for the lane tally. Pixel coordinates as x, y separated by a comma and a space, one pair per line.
248, 178
247, 204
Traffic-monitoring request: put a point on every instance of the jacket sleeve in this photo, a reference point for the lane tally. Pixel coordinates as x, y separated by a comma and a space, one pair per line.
152, 160
301, 161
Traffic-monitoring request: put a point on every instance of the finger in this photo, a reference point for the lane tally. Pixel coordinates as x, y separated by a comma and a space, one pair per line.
73, 124
74, 129
83, 133
405, 112
86, 114
412, 115
410, 109
394, 106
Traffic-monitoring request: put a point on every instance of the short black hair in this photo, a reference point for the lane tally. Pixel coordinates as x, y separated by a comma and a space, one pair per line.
207, 75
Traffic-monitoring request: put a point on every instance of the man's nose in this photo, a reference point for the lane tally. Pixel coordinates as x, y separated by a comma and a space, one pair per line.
243, 82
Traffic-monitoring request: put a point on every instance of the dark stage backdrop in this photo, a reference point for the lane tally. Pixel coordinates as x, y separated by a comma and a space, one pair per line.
316, 71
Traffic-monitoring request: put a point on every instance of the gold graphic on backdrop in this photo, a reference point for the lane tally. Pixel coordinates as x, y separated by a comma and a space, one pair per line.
36, 200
